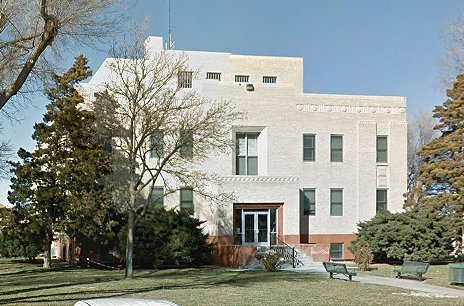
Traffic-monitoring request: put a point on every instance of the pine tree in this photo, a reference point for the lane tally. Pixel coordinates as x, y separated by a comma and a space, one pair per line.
66, 169
441, 175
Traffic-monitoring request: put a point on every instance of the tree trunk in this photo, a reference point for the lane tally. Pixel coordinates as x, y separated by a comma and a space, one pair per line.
459, 238
129, 243
47, 252
72, 250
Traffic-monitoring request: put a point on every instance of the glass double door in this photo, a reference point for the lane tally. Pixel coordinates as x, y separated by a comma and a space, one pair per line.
255, 227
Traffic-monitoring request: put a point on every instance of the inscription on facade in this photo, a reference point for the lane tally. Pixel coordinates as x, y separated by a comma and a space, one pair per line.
354, 109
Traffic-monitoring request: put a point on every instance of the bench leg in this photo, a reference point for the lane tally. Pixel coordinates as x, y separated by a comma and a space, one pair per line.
350, 277
420, 277
398, 275
331, 274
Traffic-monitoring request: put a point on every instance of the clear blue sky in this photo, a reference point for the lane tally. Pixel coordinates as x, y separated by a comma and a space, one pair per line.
383, 47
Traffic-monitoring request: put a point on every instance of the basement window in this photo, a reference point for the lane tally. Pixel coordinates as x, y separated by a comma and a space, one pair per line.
336, 250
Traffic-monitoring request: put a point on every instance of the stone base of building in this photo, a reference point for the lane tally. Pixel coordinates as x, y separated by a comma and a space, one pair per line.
228, 254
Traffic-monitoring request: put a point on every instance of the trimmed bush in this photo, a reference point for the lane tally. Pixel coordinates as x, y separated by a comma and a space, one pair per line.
362, 252
272, 261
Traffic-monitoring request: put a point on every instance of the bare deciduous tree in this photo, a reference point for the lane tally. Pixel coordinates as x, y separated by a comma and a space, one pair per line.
33, 32
420, 132
161, 132
452, 64
6, 151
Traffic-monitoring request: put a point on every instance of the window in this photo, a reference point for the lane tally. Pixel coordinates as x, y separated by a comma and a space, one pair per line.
157, 197
336, 148
336, 202
381, 200
108, 147
269, 79
336, 250
186, 149
186, 200
156, 144
242, 78
382, 149
246, 154
309, 202
309, 147
184, 79
213, 76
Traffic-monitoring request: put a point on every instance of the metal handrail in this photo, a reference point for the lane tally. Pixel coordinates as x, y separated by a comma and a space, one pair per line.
293, 255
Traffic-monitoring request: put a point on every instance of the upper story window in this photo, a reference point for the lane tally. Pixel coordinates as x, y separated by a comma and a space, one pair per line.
157, 197
213, 76
336, 148
382, 149
184, 79
156, 144
309, 147
186, 200
246, 154
242, 78
269, 79
186, 149
381, 200
309, 202
336, 202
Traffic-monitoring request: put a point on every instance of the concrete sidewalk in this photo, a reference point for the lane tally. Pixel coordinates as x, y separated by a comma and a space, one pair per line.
419, 288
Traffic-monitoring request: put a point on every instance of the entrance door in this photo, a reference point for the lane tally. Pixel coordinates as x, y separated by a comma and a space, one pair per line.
255, 227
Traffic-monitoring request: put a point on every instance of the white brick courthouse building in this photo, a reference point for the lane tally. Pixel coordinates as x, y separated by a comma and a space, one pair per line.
306, 167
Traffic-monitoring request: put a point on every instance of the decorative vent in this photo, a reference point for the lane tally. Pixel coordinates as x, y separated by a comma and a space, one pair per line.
269, 79
184, 79
242, 78
213, 76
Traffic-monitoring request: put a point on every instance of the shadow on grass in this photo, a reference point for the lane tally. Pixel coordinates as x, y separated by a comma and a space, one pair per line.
110, 283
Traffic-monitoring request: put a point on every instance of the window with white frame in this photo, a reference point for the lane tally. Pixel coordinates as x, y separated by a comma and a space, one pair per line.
213, 76
336, 202
382, 149
157, 144
186, 149
242, 78
184, 79
336, 148
381, 200
157, 197
246, 153
309, 147
309, 201
186, 200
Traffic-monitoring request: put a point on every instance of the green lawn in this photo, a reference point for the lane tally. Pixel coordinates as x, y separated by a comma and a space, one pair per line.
436, 274
23, 284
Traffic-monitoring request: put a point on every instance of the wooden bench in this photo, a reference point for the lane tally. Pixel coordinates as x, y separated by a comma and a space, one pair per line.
339, 268
416, 268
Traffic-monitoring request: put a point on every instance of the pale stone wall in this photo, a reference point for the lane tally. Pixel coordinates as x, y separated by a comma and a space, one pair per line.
282, 113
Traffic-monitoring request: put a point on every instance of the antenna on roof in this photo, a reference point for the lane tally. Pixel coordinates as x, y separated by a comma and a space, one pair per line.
170, 45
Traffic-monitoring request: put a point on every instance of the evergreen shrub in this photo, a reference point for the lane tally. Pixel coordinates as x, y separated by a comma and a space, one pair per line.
168, 238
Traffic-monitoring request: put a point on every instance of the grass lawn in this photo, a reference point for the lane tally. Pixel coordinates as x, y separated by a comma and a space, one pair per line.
436, 274
24, 284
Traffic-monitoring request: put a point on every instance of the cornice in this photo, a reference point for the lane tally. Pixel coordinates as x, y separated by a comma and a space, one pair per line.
264, 179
